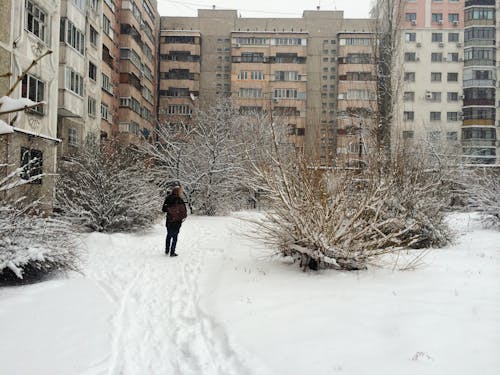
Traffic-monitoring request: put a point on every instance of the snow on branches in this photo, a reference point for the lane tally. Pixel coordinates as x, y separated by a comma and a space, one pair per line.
344, 218
31, 244
106, 188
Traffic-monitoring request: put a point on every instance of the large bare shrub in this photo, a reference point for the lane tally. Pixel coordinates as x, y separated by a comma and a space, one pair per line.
344, 218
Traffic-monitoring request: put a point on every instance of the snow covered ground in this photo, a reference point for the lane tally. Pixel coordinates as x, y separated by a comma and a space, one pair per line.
225, 307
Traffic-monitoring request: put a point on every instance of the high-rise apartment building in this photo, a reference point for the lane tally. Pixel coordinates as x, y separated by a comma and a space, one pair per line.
79, 72
286, 66
480, 129
138, 42
430, 94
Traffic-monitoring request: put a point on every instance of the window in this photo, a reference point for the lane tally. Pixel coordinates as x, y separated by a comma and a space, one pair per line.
32, 165
81, 4
453, 17
452, 116
106, 84
301, 131
110, 4
36, 20
91, 107
437, 37
409, 77
256, 75
94, 4
34, 89
93, 36
250, 93
453, 37
106, 27
410, 37
485, 33
105, 114
355, 42
409, 96
147, 94
73, 81
179, 109
285, 93
480, 14
437, 18
452, 77
92, 71
72, 36
436, 77
435, 116
288, 41
408, 134
411, 17
453, 96
408, 116
435, 96
436, 57
410, 56
453, 57
72, 136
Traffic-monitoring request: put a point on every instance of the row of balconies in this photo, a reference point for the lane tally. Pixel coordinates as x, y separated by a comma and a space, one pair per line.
269, 59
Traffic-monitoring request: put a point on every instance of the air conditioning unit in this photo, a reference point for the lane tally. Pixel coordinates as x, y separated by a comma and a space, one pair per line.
440, 22
342, 96
419, 44
455, 23
441, 44
462, 97
414, 22
428, 95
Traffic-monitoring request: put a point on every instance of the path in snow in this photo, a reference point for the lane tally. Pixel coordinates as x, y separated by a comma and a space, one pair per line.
159, 327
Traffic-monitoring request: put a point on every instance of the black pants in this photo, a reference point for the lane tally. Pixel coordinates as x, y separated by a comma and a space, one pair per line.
172, 233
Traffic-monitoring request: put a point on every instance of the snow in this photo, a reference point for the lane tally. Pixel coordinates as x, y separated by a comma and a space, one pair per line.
225, 306
5, 128
8, 104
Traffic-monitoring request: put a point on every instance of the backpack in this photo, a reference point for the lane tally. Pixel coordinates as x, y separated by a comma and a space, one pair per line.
176, 212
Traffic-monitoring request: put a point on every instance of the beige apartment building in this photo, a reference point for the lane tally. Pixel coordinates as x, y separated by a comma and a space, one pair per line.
430, 94
79, 72
287, 66
31, 28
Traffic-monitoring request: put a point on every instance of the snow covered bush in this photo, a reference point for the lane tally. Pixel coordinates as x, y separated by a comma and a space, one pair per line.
345, 218
106, 188
482, 185
32, 245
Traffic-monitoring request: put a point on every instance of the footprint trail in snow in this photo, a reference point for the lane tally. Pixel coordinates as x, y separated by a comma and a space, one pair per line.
159, 327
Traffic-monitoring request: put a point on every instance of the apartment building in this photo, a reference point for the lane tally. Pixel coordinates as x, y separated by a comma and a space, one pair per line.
286, 66
79, 72
480, 129
31, 28
430, 96
138, 41
179, 77
357, 98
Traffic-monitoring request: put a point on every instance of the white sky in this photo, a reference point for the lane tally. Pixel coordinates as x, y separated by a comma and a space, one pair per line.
265, 8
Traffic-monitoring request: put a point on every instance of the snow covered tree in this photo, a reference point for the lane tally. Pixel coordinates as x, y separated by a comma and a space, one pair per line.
106, 188
206, 157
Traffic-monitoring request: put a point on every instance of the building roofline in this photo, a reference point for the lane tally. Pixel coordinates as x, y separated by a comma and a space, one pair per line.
33, 134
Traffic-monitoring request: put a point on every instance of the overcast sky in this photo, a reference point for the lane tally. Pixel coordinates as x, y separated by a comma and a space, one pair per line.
265, 8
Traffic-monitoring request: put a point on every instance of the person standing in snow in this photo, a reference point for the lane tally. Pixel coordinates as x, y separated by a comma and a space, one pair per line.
176, 211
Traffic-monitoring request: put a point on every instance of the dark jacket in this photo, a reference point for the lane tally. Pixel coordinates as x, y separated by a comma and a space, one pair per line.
173, 201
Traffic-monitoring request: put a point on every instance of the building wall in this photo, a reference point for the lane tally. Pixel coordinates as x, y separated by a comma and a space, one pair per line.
316, 114
34, 130
428, 107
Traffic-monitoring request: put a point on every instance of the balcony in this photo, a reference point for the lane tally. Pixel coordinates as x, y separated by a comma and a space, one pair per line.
480, 62
479, 83
486, 102
469, 3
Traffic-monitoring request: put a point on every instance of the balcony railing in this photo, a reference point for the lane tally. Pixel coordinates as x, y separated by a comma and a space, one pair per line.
479, 83
469, 3
489, 102
480, 62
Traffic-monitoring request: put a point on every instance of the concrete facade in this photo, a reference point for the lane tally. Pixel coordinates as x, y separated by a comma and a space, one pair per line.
35, 31
285, 65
